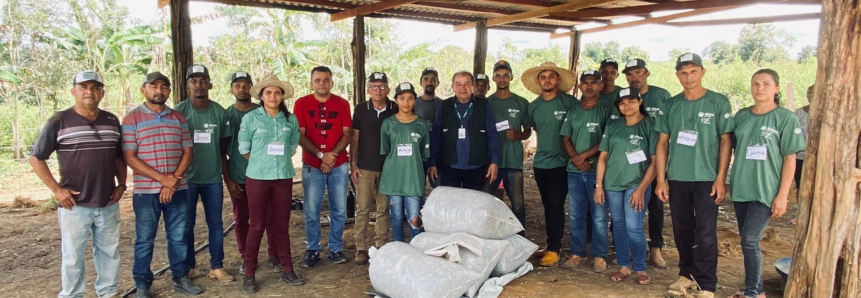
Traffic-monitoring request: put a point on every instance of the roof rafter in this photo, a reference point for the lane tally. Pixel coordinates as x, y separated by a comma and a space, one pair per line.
541, 12
647, 21
646, 9
370, 8
753, 20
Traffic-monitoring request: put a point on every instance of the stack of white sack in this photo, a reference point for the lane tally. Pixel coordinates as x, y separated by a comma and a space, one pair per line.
470, 248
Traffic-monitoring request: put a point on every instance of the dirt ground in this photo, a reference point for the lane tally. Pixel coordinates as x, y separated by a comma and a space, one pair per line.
30, 258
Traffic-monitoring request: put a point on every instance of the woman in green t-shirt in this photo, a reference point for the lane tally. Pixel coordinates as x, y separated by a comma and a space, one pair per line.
404, 139
624, 178
767, 138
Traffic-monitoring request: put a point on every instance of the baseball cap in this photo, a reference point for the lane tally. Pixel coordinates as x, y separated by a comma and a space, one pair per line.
481, 77
608, 62
635, 63
240, 75
405, 87
689, 58
153, 76
627, 93
86, 76
430, 70
591, 73
197, 69
378, 77
502, 64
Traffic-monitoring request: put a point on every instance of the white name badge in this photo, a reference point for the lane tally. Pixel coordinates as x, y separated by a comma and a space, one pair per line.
502, 125
636, 157
757, 153
405, 150
461, 133
275, 149
687, 138
202, 137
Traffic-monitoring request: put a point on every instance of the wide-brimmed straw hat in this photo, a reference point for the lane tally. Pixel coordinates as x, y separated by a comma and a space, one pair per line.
271, 80
567, 79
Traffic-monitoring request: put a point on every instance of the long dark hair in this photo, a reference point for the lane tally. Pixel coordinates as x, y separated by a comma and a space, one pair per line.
642, 106
774, 76
282, 106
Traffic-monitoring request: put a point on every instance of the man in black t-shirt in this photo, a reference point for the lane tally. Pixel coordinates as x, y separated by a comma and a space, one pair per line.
89, 150
366, 164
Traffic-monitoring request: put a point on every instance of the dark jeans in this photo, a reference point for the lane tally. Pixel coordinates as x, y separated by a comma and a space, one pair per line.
553, 187
269, 207
148, 210
469, 179
656, 219
799, 165
694, 215
241, 216
513, 184
752, 218
433, 182
212, 196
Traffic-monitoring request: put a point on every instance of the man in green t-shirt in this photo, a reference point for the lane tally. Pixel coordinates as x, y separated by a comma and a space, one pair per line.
210, 132
546, 114
609, 72
693, 155
509, 112
653, 97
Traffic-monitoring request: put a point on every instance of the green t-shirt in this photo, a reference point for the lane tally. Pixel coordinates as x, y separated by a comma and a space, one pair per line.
270, 142
699, 122
546, 119
610, 97
512, 109
235, 162
761, 143
207, 128
404, 144
622, 143
585, 128
654, 100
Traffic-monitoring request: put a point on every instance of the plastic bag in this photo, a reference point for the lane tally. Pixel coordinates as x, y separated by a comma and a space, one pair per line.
451, 210
400, 270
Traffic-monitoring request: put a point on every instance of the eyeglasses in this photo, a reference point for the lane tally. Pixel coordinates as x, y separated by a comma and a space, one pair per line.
378, 88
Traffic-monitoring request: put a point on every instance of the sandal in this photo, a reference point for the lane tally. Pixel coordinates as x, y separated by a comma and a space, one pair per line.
621, 275
644, 279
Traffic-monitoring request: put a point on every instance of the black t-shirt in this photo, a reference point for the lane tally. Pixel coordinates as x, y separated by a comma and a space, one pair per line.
86, 151
368, 122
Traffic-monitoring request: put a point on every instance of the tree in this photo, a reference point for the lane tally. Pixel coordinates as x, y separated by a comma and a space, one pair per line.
763, 43
633, 52
807, 52
675, 53
721, 52
597, 51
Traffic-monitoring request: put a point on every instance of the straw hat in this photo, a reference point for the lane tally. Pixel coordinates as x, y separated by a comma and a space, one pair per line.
567, 79
271, 80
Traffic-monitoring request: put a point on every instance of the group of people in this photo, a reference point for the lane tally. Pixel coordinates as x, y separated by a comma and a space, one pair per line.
614, 153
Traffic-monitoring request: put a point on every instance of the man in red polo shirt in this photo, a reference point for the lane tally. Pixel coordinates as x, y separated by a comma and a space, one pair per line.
326, 130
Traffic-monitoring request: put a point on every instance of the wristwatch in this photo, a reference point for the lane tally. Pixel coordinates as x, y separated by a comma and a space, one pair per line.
320, 155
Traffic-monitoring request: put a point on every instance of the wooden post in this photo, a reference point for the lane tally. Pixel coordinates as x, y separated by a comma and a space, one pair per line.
828, 235
574, 58
480, 48
183, 51
358, 49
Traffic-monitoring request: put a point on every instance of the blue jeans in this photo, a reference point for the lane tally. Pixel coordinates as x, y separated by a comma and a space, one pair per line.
212, 196
628, 232
314, 182
753, 218
76, 226
397, 205
581, 194
148, 210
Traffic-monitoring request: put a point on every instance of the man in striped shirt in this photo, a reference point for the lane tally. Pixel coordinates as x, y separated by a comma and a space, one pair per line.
157, 146
87, 141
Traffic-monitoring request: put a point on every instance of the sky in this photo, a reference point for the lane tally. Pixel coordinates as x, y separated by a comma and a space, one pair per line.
657, 40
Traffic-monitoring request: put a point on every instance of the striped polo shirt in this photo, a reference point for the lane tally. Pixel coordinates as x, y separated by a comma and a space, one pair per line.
158, 140
87, 152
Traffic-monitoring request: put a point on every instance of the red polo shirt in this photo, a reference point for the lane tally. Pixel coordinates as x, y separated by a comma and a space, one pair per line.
324, 124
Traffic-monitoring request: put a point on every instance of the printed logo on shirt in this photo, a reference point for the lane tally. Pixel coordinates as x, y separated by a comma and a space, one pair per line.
798, 130
706, 118
614, 117
727, 115
592, 127
635, 139
513, 112
654, 111
415, 137
768, 132
559, 114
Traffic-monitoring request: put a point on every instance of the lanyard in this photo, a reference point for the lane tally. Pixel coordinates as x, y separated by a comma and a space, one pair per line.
459, 116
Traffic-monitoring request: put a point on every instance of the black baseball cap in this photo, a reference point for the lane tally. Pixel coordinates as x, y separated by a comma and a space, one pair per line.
405, 87
240, 75
502, 64
608, 62
154, 76
378, 77
635, 63
87, 76
197, 70
430, 70
591, 73
627, 93
481, 77
689, 58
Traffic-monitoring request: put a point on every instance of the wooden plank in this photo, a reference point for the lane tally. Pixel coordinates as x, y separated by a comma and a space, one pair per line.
646, 9
501, 11
357, 46
456, 20
370, 8
480, 48
755, 20
534, 3
660, 19
183, 51
536, 13
323, 3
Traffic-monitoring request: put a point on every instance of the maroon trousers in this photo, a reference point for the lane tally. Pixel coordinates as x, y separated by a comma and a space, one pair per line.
269, 209
240, 215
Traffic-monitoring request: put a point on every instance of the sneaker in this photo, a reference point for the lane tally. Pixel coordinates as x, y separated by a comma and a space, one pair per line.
142, 292
220, 275
185, 286
550, 259
242, 268
337, 257
311, 258
276, 264
573, 262
290, 278
683, 284
599, 265
250, 285
361, 257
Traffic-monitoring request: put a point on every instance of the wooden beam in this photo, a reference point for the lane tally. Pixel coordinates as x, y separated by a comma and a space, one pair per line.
358, 48
755, 20
480, 48
535, 3
574, 57
370, 8
322, 3
651, 20
500, 11
457, 20
183, 50
536, 13
646, 9
275, 4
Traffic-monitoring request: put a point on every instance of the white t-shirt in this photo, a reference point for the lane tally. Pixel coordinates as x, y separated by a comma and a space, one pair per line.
803, 117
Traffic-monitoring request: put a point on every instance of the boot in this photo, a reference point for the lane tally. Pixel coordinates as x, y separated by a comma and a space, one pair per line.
656, 258
249, 285
185, 286
290, 278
